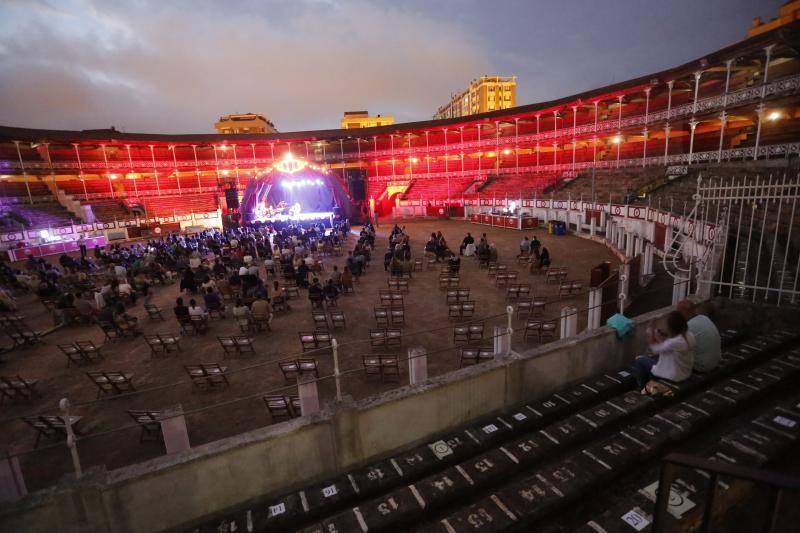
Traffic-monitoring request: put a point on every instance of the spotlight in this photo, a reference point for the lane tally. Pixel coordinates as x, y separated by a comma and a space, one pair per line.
491, 154
616, 139
507, 151
414, 160
775, 115
225, 172
112, 176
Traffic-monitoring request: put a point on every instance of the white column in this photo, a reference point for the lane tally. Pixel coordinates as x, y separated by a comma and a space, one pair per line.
644, 149
391, 141
309, 396
574, 141
768, 54
619, 115
723, 118
666, 143
761, 111
417, 365
630, 239
692, 125
555, 136
670, 83
569, 322
595, 310
728, 65
680, 288
647, 263
428, 153
696, 90
516, 143
537, 142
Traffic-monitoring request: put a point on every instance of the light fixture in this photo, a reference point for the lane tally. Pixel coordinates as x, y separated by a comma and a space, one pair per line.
491, 154
414, 160
225, 172
775, 115
507, 151
112, 176
224, 146
616, 139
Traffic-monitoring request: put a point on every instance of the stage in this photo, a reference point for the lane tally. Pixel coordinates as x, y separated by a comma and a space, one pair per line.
296, 217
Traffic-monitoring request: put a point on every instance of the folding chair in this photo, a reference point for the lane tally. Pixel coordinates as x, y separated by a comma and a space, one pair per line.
154, 342
512, 292
463, 294
307, 342
153, 312
229, 347
111, 382
260, 321
149, 422
475, 333
454, 311
308, 366
539, 304
338, 320
377, 337
467, 309
90, 351
111, 331
170, 342
290, 370
524, 307
547, 331
372, 365
394, 337
51, 427
322, 338
390, 368
18, 388
187, 328
381, 316
244, 344
279, 407
74, 355
451, 296
320, 319
460, 334
417, 265
199, 323
468, 356
533, 328
208, 375
397, 316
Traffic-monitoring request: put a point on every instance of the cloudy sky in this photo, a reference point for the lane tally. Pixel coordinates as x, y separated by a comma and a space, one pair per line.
169, 66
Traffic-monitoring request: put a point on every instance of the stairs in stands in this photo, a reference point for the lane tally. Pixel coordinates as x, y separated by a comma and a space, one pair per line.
512, 469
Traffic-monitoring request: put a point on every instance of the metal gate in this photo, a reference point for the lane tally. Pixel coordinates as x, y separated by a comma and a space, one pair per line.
753, 249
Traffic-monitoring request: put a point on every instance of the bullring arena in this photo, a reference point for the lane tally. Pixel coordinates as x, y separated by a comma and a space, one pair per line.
435, 391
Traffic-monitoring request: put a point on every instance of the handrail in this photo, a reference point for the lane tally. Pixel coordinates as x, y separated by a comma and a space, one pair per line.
777, 481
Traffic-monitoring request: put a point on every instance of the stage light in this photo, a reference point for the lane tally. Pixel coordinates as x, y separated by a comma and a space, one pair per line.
112, 176
775, 115
616, 139
414, 160
507, 151
490, 154
225, 172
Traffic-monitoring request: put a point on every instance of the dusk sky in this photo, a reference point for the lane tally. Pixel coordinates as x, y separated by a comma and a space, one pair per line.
175, 67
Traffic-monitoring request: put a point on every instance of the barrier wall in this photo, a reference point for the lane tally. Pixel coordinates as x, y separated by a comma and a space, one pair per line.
172, 491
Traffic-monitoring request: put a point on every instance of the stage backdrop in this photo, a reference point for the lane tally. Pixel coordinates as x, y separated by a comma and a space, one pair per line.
314, 190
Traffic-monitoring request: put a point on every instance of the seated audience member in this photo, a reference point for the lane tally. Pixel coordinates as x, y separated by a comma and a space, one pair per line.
213, 302
262, 308
454, 263
336, 276
315, 291
469, 239
330, 291
125, 322
708, 348
387, 259
180, 310
279, 295
535, 245
195, 310
524, 246
544, 258
347, 279
84, 308
672, 358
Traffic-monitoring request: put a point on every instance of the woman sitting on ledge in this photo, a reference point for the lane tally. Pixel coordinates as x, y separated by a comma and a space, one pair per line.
672, 355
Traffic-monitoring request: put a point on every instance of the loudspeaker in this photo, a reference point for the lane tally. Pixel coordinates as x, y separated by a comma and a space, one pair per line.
231, 198
355, 182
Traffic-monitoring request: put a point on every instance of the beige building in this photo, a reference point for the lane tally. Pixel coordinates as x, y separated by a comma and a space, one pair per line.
487, 93
361, 119
244, 123
788, 13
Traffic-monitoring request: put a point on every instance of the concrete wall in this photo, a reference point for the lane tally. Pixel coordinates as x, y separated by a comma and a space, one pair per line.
173, 490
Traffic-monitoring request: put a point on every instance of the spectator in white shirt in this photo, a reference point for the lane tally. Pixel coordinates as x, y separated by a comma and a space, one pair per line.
672, 358
708, 351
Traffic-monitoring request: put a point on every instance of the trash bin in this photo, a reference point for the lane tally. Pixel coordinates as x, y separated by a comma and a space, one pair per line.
561, 228
550, 228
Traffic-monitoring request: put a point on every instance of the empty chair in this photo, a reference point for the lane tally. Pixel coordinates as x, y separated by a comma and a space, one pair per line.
533, 329
308, 366
524, 307
51, 427
372, 365
307, 341
228, 346
320, 319
111, 382
338, 320
548, 330
208, 376
244, 344
452, 296
149, 422
279, 407
90, 350
471, 356
417, 265
290, 369
460, 334
154, 342
539, 304
18, 388
381, 316
153, 312
475, 332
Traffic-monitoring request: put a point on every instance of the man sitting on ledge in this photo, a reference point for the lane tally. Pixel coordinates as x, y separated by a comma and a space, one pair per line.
708, 348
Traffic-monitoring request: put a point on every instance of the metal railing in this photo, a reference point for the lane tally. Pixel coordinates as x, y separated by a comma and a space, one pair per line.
778, 484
